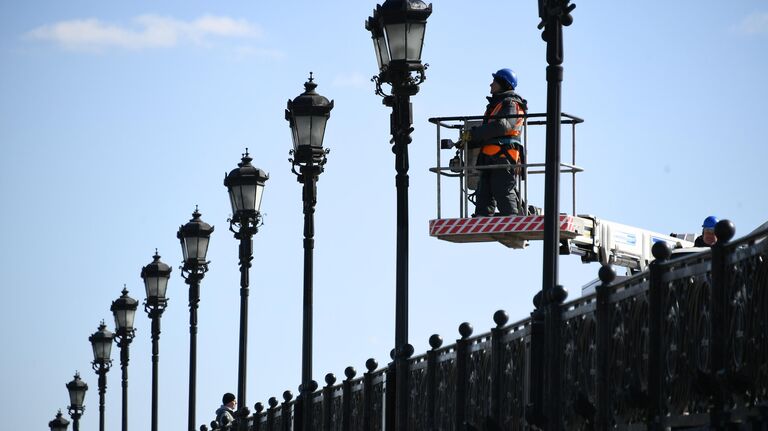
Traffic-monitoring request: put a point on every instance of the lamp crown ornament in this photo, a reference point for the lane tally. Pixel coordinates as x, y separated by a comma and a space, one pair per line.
59, 423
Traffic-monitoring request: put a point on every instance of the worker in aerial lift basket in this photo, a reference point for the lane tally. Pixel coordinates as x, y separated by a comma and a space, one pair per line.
707, 237
499, 143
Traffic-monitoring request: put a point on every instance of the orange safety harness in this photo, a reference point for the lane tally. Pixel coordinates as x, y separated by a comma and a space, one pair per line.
504, 150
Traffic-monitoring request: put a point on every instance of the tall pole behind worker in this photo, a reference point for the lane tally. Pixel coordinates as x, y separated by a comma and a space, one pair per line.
554, 15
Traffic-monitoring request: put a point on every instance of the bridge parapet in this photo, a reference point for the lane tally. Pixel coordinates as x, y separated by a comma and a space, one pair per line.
684, 344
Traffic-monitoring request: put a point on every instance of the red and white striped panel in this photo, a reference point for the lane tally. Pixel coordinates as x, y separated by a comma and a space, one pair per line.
480, 225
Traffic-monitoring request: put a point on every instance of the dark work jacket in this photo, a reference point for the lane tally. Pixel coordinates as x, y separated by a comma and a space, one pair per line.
492, 130
500, 130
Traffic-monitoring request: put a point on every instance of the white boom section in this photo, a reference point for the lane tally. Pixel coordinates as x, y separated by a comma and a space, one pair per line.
587, 236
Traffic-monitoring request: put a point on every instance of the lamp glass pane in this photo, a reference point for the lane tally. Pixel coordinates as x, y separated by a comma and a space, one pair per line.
295, 135
162, 286
396, 36
58, 428
247, 197
415, 40
202, 251
259, 192
382, 53
232, 201
129, 315
102, 349
318, 130
197, 247
76, 397
150, 286
302, 127
120, 319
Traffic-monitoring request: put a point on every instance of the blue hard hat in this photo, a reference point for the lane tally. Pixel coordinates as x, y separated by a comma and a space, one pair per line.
506, 75
709, 222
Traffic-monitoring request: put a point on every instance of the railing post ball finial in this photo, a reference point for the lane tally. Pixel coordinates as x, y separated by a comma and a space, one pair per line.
557, 294
258, 407
537, 299
661, 250
272, 402
725, 230
244, 412
408, 350
392, 354
214, 425
312, 386
203, 427
606, 274
350, 373
501, 318
330, 379
435, 341
371, 365
287, 396
465, 329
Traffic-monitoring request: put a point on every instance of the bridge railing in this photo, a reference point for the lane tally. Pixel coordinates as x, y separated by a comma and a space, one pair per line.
684, 344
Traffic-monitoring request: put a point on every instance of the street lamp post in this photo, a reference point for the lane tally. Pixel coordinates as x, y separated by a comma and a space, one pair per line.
194, 237
124, 311
101, 341
246, 186
59, 423
155, 276
76, 389
397, 28
554, 15
307, 115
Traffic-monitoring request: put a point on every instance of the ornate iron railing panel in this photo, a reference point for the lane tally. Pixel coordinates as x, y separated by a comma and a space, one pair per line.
377, 402
683, 345
417, 380
628, 349
746, 316
686, 335
445, 399
356, 407
515, 356
578, 333
477, 401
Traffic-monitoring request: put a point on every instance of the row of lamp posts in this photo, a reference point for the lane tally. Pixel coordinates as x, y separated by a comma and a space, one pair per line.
397, 28
307, 115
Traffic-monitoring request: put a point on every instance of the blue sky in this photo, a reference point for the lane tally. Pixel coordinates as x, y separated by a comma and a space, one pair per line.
116, 119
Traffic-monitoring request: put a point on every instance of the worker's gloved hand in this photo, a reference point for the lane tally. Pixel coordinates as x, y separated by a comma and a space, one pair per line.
464, 138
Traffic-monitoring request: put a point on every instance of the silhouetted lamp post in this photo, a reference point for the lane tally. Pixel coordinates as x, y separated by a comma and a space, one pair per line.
246, 186
101, 341
307, 115
554, 15
76, 389
59, 423
194, 237
155, 276
124, 310
397, 28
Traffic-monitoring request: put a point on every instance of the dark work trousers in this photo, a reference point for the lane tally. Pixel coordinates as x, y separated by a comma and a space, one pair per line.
496, 188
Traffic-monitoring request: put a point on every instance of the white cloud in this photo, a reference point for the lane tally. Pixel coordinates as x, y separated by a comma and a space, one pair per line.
146, 31
755, 23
